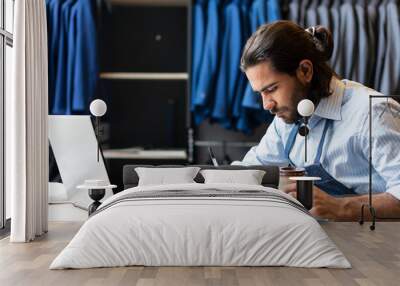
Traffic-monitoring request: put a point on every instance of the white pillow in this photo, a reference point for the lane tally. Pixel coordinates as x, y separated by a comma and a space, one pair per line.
248, 177
164, 176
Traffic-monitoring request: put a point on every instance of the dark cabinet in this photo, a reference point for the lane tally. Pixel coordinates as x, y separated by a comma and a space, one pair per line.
144, 79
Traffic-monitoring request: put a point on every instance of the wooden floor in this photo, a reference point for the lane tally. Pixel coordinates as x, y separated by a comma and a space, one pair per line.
375, 257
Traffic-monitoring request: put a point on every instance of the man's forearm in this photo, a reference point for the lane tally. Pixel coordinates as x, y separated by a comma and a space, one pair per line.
385, 205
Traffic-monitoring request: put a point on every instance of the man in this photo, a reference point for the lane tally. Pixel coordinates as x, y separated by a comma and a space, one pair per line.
285, 64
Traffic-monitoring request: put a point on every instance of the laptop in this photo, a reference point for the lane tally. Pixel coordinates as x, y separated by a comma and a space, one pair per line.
213, 158
74, 144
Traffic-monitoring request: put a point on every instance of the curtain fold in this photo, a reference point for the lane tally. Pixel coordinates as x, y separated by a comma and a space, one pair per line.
26, 124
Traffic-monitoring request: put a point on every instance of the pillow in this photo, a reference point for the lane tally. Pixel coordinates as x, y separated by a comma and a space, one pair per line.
164, 176
248, 177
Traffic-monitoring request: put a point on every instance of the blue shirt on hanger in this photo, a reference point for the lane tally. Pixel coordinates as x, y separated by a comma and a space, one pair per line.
85, 67
219, 89
229, 66
273, 10
256, 16
71, 58
76, 68
60, 80
209, 65
256, 115
54, 10
199, 22
391, 66
239, 118
261, 12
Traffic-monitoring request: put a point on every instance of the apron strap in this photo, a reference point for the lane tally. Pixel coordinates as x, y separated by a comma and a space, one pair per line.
290, 141
292, 138
321, 143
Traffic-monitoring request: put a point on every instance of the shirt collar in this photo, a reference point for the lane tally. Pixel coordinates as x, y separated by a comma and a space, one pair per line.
330, 107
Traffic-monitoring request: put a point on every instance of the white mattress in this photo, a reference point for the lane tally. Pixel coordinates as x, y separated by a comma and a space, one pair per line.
200, 231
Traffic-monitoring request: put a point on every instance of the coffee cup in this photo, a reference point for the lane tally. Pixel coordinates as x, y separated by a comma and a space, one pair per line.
286, 172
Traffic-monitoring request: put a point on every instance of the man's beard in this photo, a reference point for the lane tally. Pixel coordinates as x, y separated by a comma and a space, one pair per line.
290, 112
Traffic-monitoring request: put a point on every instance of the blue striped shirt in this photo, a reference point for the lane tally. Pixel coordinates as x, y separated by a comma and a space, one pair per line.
346, 148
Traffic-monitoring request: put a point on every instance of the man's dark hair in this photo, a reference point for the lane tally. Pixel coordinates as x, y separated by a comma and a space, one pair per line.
284, 44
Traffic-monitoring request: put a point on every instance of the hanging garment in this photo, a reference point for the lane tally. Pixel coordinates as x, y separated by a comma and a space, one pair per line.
219, 90
258, 16
239, 117
391, 71
229, 70
209, 64
324, 15
372, 20
294, 10
73, 65
360, 73
243, 124
348, 32
53, 10
311, 14
253, 113
61, 106
381, 49
273, 10
199, 22
85, 66
261, 12
303, 13
336, 60
70, 57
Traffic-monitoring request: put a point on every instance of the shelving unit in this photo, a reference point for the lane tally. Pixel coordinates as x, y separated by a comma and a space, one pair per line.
149, 65
145, 49
144, 76
138, 154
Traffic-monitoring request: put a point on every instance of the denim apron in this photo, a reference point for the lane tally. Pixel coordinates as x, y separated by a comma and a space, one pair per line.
327, 183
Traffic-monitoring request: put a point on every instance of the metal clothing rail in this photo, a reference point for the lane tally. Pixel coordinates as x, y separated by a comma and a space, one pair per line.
223, 143
369, 205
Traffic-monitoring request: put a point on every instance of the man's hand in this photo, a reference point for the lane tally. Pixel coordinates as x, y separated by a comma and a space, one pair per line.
349, 208
324, 205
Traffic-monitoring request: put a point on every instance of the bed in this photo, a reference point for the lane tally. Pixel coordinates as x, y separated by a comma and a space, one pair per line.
201, 224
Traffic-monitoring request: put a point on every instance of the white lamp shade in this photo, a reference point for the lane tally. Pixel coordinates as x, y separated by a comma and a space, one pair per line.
305, 108
98, 107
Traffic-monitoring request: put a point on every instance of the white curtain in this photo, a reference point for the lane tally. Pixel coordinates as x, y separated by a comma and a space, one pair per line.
26, 123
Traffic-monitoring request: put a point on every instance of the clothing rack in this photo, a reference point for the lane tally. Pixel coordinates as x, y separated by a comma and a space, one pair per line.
369, 205
236, 144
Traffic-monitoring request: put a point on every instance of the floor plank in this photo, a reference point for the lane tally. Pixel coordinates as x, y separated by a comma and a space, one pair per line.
374, 255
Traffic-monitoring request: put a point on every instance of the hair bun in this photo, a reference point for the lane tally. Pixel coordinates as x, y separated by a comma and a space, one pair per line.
323, 40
